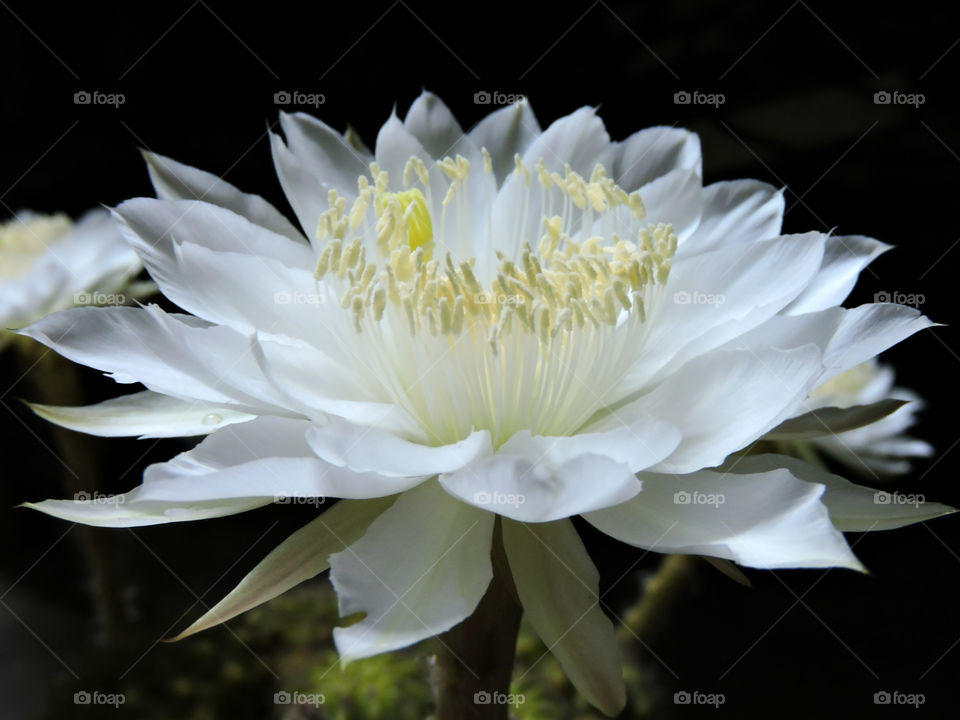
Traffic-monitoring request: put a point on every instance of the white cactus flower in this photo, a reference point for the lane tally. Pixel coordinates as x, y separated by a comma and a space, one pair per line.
49, 263
513, 322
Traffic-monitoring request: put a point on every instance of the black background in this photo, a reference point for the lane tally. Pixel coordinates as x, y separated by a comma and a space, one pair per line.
798, 79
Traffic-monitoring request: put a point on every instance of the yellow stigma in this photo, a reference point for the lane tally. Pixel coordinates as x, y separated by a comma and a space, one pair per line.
413, 206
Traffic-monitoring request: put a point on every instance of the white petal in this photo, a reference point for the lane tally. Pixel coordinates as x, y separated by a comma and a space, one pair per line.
176, 181
368, 449
524, 489
764, 520
654, 152
303, 555
147, 414
170, 354
237, 468
432, 123
505, 133
420, 569
726, 399
719, 295
843, 260
324, 152
736, 212
558, 586
834, 420
853, 508
675, 198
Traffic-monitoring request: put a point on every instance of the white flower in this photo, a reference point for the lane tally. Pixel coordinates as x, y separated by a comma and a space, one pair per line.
513, 322
879, 448
48, 263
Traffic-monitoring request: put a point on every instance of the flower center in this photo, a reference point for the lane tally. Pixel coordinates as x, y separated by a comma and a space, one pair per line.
541, 343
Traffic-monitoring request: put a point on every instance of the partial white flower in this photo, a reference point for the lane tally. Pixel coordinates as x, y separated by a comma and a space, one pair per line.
49, 263
880, 448
528, 323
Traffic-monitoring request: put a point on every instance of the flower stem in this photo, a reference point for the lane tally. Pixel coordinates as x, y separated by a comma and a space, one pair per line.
474, 661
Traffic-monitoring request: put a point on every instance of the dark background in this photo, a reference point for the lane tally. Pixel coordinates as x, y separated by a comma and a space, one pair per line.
798, 79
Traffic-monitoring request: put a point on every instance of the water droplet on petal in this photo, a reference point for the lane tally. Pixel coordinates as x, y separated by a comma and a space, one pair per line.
212, 419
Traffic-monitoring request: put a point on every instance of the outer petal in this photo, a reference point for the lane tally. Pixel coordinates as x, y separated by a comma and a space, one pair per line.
300, 557
764, 520
176, 181
172, 355
654, 152
853, 508
843, 260
417, 588
147, 414
735, 212
558, 586
726, 399
237, 468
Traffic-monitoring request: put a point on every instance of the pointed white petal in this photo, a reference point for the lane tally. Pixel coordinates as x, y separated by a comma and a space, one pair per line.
147, 414
176, 181
505, 133
432, 123
834, 420
303, 555
420, 569
736, 212
764, 520
558, 586
654, 152
843, 260
853, 508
